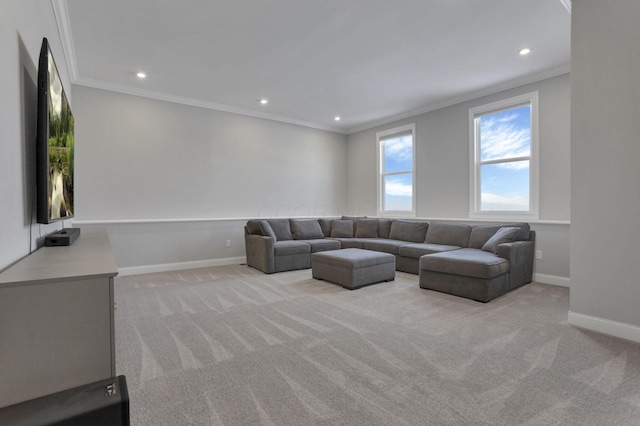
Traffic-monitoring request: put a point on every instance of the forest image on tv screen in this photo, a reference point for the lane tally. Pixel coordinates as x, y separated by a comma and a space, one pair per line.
60, 149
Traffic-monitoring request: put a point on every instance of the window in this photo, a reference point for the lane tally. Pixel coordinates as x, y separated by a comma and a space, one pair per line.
396, 171
504, 163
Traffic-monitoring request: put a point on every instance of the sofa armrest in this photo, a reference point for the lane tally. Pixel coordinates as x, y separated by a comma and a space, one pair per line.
260, 252
520, 256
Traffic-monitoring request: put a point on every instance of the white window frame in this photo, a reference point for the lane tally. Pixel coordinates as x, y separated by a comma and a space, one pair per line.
475, 163
380, 137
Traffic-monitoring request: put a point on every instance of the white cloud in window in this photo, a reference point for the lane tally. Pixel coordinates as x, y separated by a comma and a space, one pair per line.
398, 189
503, 202
505, 136
401, 149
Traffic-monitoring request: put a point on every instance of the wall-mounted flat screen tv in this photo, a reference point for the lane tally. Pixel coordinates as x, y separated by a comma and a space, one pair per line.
54, 144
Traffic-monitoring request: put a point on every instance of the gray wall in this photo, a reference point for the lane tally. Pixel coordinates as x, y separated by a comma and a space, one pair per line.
443, 168
605, 156
23, 24
171, 181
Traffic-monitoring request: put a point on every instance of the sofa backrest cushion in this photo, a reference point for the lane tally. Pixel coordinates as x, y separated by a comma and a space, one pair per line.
325, 225
253, 227
342, 228
450, 234
384, 227
367, 228
306, 229
281, 229
523, 234
480, 234
503, 235
265, 229
407, 230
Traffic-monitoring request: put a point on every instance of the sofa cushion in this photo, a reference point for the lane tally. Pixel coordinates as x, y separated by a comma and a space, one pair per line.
418, 250
253, 227
266, 230
367, 228
306, 229
386, 246
502, 235
407, 230
450, 234
325, 225
466, 262
480, 234
281, 229
342, 228
384, 227
351, 242
323, 244
291, 247
523, 234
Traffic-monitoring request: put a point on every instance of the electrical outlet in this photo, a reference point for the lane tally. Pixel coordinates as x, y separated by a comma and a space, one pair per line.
539, 254
228, 243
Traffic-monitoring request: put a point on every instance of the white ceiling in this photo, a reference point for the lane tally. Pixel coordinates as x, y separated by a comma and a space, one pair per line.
369, 61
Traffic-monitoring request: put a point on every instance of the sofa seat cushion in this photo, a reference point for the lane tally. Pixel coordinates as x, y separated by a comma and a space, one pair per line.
466, 262
290, 248
323, 244
385, 246
419, 250
352, 242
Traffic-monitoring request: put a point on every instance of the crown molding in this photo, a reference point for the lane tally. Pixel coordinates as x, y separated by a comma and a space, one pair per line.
64, 30
97, 84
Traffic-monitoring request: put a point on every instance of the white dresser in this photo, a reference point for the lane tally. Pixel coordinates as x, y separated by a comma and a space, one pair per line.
56, 319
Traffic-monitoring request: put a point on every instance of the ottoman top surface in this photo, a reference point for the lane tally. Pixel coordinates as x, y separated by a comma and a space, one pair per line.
354, 257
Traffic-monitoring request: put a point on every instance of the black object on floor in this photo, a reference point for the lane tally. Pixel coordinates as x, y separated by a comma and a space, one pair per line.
103, 403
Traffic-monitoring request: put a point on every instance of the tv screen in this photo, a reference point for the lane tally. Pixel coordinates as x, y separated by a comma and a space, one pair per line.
54, 144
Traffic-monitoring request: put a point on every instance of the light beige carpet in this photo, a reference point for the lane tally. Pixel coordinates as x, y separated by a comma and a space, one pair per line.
232, 346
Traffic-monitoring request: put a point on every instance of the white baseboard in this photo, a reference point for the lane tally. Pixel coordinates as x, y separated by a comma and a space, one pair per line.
606, 326
552, 279
164, 267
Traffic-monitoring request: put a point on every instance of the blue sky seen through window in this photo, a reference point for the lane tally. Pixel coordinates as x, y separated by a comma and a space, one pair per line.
397, 156
505, 135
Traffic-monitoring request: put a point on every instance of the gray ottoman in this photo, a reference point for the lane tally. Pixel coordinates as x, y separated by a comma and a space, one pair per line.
353, 268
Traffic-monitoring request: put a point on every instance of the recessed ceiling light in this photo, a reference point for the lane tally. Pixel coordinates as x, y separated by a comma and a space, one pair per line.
141, 75
264, 101
337, 118
524, 51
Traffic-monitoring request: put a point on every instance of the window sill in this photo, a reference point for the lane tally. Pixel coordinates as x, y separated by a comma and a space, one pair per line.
511, 216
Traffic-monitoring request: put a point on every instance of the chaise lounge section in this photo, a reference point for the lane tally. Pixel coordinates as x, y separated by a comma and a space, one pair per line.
479, 262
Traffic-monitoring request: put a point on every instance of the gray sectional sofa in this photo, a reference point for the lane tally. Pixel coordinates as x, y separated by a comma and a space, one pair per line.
479, 262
